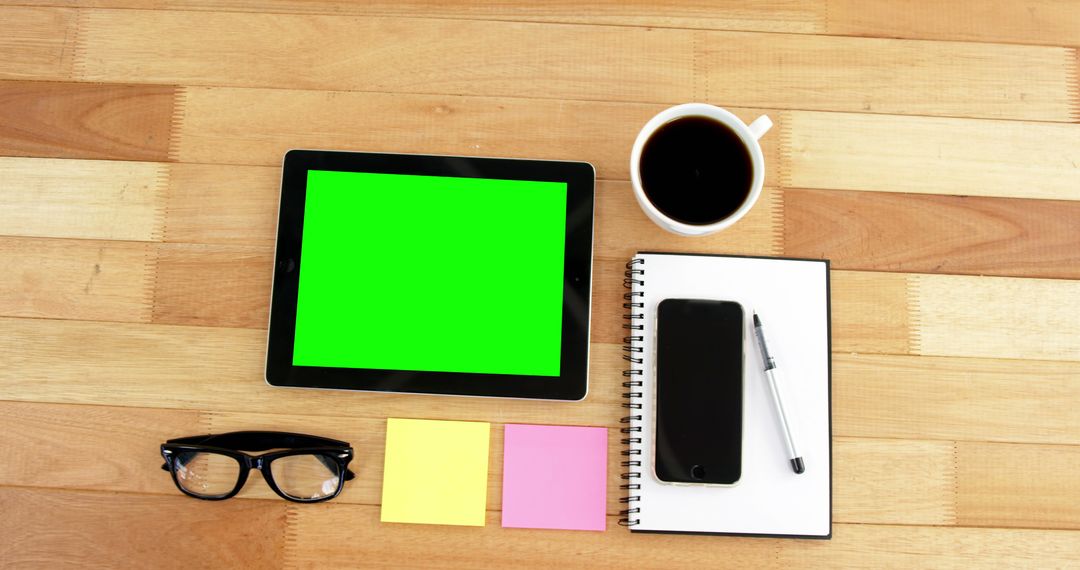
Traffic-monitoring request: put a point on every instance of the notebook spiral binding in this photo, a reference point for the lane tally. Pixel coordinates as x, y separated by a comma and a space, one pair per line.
632, 349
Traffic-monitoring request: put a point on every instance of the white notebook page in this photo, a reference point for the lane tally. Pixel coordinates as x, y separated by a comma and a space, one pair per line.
791, 298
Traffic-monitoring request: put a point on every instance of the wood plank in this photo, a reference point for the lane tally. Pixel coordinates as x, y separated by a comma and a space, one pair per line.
365, 54
318, 542
996, 317
934, 234
322, 538
275, 121
870, 312
213, 285
1034, 22
951, 79
82, 120
974, 399
46, 445
37, 43
234, 205
76, 279
1018, 485
926, 155
221, 369
865, 470
579, 62
758, 15
879, 546
1045, 22
88, 199
48, 528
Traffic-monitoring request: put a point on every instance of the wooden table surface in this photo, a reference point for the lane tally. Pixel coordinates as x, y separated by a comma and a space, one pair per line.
931, 151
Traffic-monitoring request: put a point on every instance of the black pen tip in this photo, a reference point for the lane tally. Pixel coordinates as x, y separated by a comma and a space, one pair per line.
798, 465
757, 321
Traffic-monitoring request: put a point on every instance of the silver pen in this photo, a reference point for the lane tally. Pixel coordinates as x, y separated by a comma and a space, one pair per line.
797, 463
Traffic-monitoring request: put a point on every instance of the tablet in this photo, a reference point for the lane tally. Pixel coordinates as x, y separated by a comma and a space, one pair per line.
432, 274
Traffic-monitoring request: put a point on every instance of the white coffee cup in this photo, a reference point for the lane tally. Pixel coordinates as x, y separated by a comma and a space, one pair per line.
748, 134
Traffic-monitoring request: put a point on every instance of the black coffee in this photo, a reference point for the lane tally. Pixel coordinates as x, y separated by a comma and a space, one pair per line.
696, 170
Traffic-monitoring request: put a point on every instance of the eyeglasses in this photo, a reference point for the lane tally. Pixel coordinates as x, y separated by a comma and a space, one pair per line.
211, 467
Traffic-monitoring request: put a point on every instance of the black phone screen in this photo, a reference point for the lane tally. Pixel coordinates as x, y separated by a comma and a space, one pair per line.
699, 391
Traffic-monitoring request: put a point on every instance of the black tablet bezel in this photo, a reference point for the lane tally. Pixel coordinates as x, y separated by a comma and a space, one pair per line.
571, 384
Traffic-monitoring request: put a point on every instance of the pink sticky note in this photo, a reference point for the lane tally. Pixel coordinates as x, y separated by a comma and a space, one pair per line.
554, 477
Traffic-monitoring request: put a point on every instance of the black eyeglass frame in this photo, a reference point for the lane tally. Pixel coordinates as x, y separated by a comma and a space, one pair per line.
340, 453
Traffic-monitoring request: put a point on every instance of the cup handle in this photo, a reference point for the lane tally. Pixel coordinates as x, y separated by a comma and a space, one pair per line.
760, 126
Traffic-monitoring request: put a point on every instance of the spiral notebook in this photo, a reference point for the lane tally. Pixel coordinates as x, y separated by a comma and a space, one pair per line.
792, 296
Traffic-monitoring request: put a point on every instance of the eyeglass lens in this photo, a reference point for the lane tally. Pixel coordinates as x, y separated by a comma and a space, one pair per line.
306, 477
206, 474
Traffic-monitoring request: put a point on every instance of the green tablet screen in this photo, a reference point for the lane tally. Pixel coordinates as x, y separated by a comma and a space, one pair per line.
431, 273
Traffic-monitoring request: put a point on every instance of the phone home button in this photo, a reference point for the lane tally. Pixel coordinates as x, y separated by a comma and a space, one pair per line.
697, 472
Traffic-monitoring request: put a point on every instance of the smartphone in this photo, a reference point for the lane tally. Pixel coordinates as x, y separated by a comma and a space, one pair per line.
699, 391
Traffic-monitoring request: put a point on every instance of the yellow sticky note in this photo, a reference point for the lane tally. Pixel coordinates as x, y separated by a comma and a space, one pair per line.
435, 472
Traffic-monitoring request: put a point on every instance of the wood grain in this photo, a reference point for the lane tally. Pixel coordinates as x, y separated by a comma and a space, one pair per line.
491, 546
870, 312
89, 199
934, 234
232, 205
76, 279
1034, 22
853, 546
365, 54
213, 285
48, 528
859, 546
79, 120
37, 42
89, 447
997, 317
887, 76
759, 15
922, 492
1045, 22
274, 121
1018, 485
578, 62
51, 527
973, 399
221, 369
924, 155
